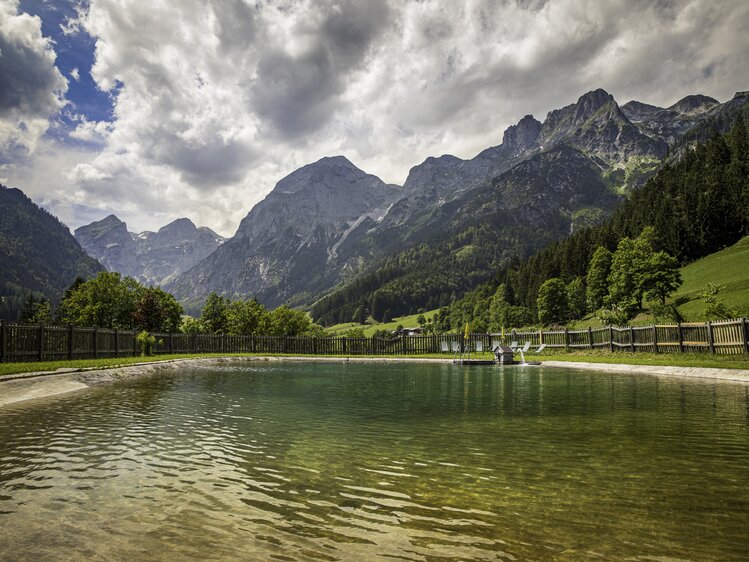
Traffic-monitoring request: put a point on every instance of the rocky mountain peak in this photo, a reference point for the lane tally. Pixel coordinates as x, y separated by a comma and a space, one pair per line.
637, 111
110, 227
521, 136
179, 227
323, 171
695, 102
589, 103
109, 241
328, 191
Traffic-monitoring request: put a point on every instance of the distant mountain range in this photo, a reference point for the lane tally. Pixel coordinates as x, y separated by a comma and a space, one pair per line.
153, 258
334, 237
330, 222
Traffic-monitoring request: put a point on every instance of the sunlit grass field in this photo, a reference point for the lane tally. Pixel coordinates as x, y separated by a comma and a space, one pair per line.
674, 359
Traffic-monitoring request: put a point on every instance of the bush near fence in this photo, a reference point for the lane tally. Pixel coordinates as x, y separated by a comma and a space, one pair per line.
20, 342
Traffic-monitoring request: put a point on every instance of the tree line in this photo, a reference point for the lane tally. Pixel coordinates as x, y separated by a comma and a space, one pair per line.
112, 301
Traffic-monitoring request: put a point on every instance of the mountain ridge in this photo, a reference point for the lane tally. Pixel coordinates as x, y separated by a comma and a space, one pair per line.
37, 253
150, 257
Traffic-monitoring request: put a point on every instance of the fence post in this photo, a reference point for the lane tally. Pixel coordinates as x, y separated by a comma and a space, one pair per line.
540, 336
655, 339
41, 342
2, 341
71, 333
744, 337
611, 339
96, 342
710, 341
681, 337
116, 342
631, 339
403, 343
590, 337
566, 339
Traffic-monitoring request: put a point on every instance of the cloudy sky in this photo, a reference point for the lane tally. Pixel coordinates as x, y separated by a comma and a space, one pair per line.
157, 109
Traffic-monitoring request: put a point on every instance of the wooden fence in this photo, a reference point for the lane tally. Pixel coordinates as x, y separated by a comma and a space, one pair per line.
20, 342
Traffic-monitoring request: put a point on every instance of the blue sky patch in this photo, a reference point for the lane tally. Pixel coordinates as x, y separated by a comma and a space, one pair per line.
75, 57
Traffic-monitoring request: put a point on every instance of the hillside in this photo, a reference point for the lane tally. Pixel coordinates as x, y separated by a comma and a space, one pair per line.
697, 206
568, 174
728, 267
37, 253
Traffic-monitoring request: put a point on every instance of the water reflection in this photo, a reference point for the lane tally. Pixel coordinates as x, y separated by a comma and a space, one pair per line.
358, 461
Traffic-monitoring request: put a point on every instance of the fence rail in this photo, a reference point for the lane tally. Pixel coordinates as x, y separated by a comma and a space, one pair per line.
19, 342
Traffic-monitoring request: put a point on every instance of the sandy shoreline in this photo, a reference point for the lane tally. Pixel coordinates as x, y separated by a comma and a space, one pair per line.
29, 386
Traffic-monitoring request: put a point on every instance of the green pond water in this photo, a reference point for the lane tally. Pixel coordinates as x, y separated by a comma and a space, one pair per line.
366, 461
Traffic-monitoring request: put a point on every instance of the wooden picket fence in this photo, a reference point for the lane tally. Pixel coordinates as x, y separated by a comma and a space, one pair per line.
19, 342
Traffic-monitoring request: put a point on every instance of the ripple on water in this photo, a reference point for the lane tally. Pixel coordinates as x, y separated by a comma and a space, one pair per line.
342, 462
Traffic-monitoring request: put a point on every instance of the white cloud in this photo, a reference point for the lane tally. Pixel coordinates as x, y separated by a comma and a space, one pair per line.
31, 87
91, 131
219, 99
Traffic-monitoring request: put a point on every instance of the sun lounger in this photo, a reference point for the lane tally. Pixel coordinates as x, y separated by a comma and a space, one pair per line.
526, 347
455, 347
479, 347
495, 344
540, 348
444, 347
513, 345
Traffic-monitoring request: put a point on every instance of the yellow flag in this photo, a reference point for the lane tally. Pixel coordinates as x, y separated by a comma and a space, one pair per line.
503, 332
467, 334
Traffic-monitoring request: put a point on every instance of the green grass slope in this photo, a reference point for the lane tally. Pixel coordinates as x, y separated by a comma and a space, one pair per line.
729, 267
409, 321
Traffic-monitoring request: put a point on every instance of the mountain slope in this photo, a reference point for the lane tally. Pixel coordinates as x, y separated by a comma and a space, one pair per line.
37, 253
150, 257
696, 207
109, 242
608, 149
289, 243
513, 216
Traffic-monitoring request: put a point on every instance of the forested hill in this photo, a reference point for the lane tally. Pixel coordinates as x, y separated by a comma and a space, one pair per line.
460, 244
37, 253
696, 206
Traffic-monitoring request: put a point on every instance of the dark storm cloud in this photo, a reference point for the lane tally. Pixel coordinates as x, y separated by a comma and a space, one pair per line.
29, 83
211, 163
28, 79
298, 93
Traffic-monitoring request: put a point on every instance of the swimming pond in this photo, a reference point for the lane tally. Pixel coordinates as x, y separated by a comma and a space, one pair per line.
362, 461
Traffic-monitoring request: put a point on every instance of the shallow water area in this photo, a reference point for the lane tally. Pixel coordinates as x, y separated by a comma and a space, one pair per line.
368, 461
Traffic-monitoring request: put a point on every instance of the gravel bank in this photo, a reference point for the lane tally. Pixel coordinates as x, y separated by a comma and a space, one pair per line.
732, 375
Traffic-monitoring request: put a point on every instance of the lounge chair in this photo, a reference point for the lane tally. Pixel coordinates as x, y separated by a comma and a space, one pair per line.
540, 348
444, 347
495, 344
526, 347
479, 347
455, 347
513, 345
